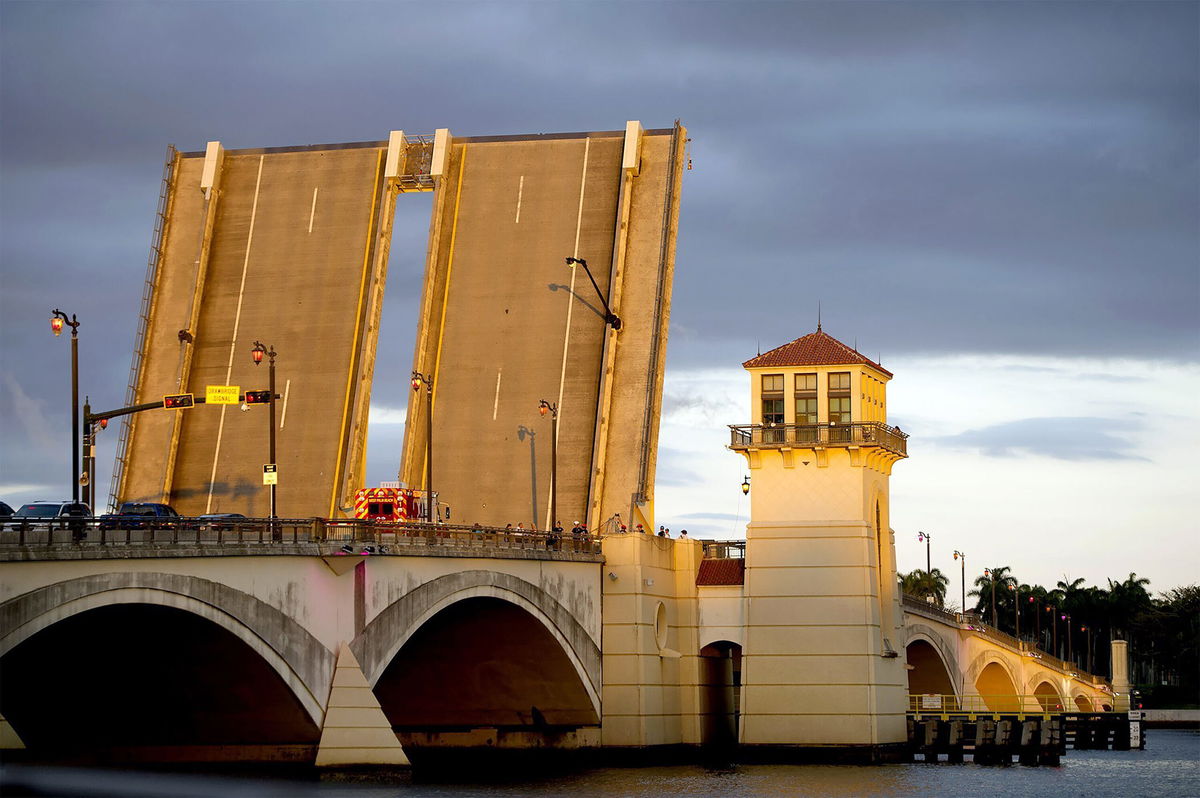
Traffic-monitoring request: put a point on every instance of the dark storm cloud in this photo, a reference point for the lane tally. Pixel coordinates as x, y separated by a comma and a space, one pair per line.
943, 178
1060, 438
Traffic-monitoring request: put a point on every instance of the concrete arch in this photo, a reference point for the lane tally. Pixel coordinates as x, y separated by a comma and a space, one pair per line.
1083, 702
985, 658
1047, 693
920, 631
299, 659
383, 637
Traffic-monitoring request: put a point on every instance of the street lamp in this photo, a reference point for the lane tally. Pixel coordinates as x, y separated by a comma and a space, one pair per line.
958, 555
1066, 616
1016, 591
57, 320
746, 486
545, 407
91, 428
1050, 608
988, 573
925, 537
419, 379
609, 316
1089, 648
257, 354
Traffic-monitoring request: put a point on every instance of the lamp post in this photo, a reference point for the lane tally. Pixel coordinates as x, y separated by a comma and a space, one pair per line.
419, 379
958, 555
1050, 608
926, 537
91, 428
609, 317
1066, 616
988, 573
545, 407
1088, 629
57, 320
1016, 591
257, 353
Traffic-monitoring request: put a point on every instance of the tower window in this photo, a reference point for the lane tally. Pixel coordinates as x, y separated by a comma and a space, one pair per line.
806, 405
839, 398
772, 407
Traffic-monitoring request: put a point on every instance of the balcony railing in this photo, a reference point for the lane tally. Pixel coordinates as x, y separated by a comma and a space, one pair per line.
724, 549
873, 433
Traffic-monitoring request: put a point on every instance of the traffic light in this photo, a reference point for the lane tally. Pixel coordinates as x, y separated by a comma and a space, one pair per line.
178, 401
257, 397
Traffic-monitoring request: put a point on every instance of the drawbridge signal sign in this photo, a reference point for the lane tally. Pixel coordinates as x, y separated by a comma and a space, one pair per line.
222, 394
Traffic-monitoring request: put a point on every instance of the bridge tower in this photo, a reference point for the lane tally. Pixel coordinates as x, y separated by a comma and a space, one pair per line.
823, 662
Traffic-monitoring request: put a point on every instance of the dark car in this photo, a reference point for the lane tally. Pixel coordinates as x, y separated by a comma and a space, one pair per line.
51, 515
5, 511
219, 522
140, 515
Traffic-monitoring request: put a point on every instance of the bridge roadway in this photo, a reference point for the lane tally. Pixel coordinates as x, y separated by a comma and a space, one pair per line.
290, 246
338, 642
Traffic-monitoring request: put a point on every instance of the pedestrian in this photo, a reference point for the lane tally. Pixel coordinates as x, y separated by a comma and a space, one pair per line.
662, 531
683, 535
641, 529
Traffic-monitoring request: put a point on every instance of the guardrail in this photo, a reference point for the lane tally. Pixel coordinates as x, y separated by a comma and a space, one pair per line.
386, 538
724, 549
934, 705
871, 433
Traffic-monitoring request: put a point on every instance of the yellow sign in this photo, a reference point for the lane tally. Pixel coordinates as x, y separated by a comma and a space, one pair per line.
222, 394
270, 475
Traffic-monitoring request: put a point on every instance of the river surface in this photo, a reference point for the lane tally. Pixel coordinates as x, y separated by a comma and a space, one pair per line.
1170, 766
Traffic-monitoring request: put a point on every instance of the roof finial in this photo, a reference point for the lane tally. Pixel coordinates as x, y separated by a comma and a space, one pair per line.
818, 315
758, 346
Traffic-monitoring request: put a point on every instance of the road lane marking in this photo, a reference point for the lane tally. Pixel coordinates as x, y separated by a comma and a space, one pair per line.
287, 387
562, 376
362, 287
237, 321
496, 403
312, 213
520, 191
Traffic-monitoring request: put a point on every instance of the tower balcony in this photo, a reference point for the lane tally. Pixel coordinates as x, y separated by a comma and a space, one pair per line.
871, 434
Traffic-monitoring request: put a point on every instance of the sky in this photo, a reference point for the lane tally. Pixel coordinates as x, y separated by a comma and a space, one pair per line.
1000, 201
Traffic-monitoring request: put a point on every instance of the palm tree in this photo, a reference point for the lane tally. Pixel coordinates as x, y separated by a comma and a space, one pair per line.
925, 584
990, 587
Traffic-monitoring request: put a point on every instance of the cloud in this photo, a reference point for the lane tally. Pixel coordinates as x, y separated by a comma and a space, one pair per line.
389, 416
1061, 438
711, 516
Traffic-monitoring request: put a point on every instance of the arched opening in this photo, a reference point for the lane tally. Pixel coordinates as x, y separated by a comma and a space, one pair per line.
1083, 703
1106, 707
483, 664
114, 681
720, 693
1048, 697
997, 690
927, 674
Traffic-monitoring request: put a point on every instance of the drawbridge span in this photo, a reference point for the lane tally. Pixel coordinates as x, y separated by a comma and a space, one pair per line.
290, 246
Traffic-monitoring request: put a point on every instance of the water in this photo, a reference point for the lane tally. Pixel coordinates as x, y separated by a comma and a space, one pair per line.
1170, 766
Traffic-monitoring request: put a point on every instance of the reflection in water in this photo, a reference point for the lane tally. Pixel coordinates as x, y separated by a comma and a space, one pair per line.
1168, 767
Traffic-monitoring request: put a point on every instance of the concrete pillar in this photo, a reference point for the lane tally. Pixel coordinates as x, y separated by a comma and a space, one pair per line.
1120, 676
356, 732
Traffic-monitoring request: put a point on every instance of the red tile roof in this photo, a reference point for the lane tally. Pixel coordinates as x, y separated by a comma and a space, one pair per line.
815, 349
721, 572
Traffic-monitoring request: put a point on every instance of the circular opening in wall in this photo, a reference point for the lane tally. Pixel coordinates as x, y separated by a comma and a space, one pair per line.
660, 625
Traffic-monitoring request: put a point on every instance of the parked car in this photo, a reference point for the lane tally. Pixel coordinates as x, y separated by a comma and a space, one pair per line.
140, 515
5, 513
51, 515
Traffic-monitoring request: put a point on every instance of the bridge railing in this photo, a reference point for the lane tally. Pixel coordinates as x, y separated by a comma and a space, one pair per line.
870, 433
935, 705
348, 533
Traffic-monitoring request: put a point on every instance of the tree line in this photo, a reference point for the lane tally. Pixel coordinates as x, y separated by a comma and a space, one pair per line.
1076, 623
